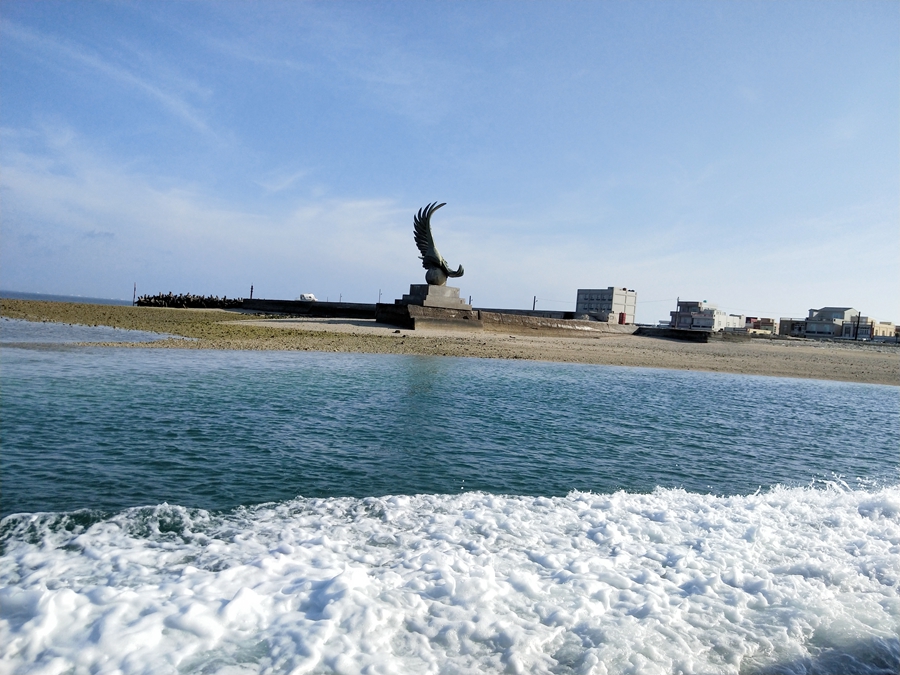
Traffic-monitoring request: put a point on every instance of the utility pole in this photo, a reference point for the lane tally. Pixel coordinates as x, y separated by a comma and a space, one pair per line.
134, 297
856, 337
251, 291
379, 296
534, 304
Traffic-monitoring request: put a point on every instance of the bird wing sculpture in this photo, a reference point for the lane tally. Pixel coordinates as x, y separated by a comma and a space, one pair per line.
431, 258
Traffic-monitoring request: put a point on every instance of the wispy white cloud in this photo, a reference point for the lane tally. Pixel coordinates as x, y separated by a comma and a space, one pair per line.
71, 210
275, 181
362, 54
82, 218
46, 46
402, 79
242, 50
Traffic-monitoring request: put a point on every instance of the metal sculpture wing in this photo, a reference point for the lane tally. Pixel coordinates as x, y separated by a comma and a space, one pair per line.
431, 258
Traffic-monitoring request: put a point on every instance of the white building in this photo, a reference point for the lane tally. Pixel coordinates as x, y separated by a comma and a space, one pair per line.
615, 305
697, 315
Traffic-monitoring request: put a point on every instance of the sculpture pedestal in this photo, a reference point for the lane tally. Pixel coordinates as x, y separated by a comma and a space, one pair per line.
427, 295
429, 306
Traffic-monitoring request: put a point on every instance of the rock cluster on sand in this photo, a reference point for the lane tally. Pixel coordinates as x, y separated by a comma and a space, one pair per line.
189, 300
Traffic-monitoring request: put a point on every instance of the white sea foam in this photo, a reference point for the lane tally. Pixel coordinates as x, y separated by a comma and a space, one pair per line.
793, 580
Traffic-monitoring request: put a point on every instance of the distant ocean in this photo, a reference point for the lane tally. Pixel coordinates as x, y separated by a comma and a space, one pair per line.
243, 512
16, 295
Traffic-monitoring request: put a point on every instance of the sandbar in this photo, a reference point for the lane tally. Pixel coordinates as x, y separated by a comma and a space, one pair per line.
218, 329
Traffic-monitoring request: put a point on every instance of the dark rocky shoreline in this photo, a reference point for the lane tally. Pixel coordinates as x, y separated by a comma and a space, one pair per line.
189, 301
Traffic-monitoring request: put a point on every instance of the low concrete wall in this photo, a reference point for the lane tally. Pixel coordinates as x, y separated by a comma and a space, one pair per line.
412, 317
417, 316
691, 335
537, 325
674, 334
545, 314
345, 310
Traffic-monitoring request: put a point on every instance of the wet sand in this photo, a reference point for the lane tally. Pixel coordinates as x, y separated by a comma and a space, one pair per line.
215, 329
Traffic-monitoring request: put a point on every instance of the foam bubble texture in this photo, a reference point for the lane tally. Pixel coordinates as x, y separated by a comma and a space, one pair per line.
790, 581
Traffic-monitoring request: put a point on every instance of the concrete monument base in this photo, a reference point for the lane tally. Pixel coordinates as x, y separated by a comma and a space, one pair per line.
412, 317
429, 295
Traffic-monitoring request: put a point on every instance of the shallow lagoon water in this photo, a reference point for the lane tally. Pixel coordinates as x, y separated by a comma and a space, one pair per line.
14, 332
238, 512
215, 430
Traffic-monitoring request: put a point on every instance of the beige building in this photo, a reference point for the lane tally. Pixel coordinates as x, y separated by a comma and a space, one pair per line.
827, 322
761, 325
837, 322
615, 305
865, 328
884, 329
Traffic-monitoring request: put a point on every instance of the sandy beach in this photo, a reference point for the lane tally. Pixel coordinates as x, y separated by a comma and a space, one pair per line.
214, 329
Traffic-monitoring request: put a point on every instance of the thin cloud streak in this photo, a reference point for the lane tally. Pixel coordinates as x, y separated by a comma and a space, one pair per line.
280, 182
58, 203
576, 146
176, 106
383, 67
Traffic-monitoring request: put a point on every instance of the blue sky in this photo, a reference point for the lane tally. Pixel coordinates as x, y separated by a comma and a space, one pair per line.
743, 153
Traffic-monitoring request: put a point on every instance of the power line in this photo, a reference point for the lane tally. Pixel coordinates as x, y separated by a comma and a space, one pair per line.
559, 302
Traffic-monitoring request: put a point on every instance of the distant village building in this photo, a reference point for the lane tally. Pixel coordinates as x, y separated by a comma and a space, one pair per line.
844, 323
865, 328
792, 327
885, 329
697, 315
614, 305
761, 325
827, 322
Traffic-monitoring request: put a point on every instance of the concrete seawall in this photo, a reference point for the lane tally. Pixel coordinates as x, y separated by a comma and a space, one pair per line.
689, 335
538, 325
412, 317
344, 310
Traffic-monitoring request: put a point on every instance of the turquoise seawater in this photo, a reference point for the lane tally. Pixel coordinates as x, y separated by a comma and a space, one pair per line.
198, 511
113, 428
